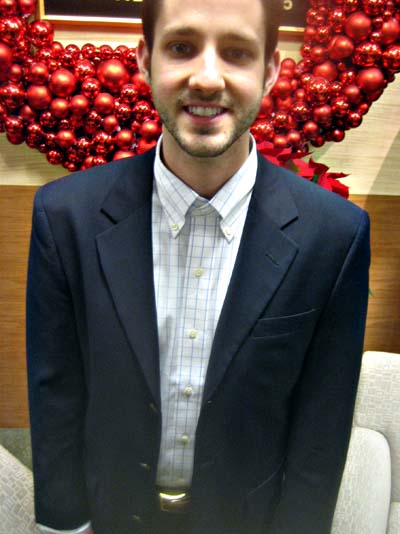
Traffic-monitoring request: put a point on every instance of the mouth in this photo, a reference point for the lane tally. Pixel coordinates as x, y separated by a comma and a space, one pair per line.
208, 112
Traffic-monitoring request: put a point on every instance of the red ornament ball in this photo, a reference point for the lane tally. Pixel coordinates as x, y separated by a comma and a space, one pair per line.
62, 83
60, 108
38, 73
5, 57
40, 33
104, 103
65, 138
391, 58
79, 105
38, 96
150, 130
358, 26
112, 74
124, 139
340, 47
370, 80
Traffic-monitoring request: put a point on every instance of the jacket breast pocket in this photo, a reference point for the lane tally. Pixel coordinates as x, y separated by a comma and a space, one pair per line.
283, 325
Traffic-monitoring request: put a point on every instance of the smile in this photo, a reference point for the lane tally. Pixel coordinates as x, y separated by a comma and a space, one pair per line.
205, 111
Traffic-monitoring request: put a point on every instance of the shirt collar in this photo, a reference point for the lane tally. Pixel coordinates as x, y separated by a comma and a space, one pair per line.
177, 198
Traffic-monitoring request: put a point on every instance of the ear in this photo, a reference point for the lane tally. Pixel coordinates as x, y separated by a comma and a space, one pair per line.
272, 72
143, 59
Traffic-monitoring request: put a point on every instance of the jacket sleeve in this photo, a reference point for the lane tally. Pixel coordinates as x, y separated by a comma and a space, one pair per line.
323, 403
57, 393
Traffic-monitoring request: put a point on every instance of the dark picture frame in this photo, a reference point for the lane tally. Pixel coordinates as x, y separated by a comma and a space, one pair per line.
127, 12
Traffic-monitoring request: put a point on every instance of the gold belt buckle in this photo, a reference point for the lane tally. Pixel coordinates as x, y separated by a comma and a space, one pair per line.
174, 502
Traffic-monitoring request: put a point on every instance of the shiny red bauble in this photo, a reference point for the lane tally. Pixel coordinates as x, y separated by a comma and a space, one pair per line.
391, 58
40, 33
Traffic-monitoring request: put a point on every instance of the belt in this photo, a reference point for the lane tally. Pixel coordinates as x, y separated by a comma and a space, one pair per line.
174, 500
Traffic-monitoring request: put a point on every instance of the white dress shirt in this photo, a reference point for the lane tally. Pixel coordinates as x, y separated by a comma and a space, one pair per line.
195, 244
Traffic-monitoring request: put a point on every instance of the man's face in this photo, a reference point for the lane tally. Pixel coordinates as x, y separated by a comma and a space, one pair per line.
208, 73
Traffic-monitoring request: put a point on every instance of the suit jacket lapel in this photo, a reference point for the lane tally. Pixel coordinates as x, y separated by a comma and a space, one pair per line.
264, 256
125, 252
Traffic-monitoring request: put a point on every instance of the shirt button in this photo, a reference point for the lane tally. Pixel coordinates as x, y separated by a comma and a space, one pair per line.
199, 272
153, 407
184, 439
174, 227
193, 333
188, 391
145, 466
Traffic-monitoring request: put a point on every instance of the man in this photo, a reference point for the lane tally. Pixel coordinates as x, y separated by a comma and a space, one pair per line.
195, 314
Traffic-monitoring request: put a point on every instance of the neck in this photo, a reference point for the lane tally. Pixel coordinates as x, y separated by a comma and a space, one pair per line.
205, 175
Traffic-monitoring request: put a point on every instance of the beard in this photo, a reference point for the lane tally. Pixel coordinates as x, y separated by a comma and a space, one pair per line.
207, 141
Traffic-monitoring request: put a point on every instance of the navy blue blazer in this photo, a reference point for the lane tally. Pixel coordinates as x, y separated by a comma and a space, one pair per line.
276, 415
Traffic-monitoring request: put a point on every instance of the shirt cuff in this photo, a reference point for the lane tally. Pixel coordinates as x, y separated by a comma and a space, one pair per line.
84, 529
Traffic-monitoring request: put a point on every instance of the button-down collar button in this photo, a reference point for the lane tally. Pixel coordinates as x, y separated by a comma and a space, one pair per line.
193, 333
199, 272
137, 518
188, 391
174, 227
145, 466
184, 439
153, 407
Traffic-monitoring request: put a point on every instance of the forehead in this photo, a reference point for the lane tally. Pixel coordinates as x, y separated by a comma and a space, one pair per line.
212, 17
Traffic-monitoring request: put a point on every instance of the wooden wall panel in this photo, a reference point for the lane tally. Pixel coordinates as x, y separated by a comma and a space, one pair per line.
383, 328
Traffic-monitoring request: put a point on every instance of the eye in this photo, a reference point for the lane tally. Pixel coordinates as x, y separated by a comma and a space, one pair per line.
238, 55
180, 49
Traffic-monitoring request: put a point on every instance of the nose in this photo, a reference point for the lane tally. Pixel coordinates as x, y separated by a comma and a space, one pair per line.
207, 76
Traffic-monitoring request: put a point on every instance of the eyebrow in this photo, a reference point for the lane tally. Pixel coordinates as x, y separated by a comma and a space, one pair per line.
189, 30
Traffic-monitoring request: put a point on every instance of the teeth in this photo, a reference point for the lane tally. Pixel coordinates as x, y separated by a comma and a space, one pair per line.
202, 111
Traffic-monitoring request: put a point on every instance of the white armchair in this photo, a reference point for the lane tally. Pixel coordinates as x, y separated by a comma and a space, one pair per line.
16, 496
369, 497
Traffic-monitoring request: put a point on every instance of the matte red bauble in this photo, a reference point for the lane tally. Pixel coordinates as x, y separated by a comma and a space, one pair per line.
150, 130
5, 57
124, 139
389, 31
370, 80
62, 83
340, 47
65, 138
60, 108
104, 103
112, 74
122, 154
358, 26
79, 105
327, 70
39, 97
38, 73
110, 123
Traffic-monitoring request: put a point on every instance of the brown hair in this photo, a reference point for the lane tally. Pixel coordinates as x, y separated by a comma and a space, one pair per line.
273, 15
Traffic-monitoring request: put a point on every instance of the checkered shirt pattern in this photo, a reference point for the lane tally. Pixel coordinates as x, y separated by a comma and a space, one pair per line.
195, 244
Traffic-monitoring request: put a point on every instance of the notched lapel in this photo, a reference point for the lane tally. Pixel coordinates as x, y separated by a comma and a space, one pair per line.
264, 257
125, 254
